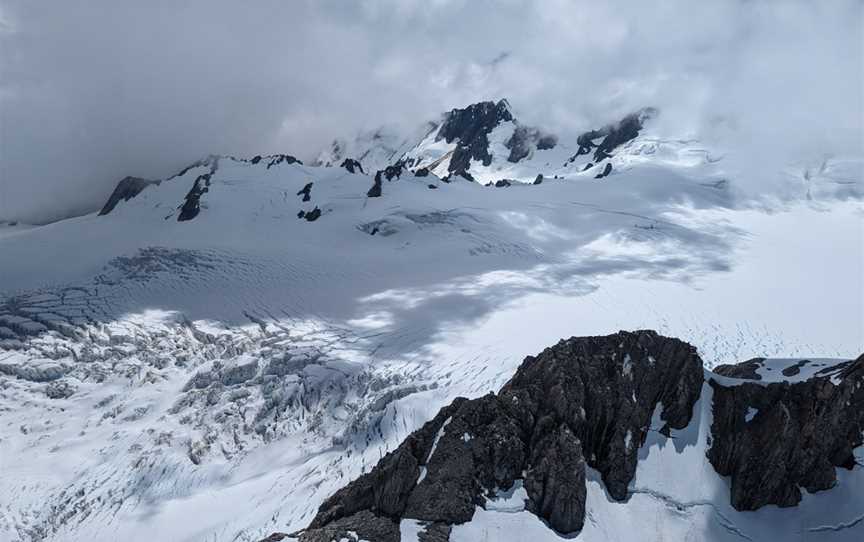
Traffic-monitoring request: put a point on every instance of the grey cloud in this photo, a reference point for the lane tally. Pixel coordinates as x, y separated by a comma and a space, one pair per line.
93, 91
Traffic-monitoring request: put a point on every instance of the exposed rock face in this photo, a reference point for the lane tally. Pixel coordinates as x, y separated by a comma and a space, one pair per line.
375, 191
585, 401
604, 389
367, 525
606, 171
745, 369
192, 205
353, 166
392, 172
525, 139
279, 158
613, 135
470, 128
589, 402
125, 190
623, 132
306, 191
774, 438
556, 482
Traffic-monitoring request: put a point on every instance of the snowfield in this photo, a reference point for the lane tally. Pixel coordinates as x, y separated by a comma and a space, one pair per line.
217, 378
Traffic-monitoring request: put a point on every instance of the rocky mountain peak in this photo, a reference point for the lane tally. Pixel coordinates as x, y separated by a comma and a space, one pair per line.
469, 127
780, 427
585, 401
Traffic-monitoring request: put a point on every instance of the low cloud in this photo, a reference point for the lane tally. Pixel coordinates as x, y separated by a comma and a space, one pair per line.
91, 92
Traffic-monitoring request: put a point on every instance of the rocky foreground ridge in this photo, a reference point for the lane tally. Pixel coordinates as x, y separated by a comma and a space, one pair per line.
589, 402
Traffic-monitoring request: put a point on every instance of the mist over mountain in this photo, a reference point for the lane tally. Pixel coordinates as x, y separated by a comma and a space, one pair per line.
96, 92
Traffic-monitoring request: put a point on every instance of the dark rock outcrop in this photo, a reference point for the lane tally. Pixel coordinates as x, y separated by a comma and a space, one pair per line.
125, 190
614, 135
353, 166
503, 182
605, 389
367, 526
519, 144
470, 128
622, 132
390, 172
585, 401
538, 179
745, 369
192, 204
606, 171
774, 438
589, 402
306, 191
375, 191
525, 139
556, 483
280, 158
312, 215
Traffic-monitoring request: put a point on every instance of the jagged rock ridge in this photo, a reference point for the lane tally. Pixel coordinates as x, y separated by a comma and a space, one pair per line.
126, 189
588, 402
613, 135
774, 438
585, 401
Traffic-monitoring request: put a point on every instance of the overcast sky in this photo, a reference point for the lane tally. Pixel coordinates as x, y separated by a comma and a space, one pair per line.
93, 91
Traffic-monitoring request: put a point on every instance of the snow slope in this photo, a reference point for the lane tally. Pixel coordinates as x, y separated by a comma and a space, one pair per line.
217, 378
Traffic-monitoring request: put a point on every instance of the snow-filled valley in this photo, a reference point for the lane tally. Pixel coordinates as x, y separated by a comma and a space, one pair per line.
217, 377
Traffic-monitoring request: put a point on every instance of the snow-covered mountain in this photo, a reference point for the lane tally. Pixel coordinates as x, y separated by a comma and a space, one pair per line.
485, 142
217, 353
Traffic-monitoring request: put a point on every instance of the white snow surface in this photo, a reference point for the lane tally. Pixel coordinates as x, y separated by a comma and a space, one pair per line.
217, 379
